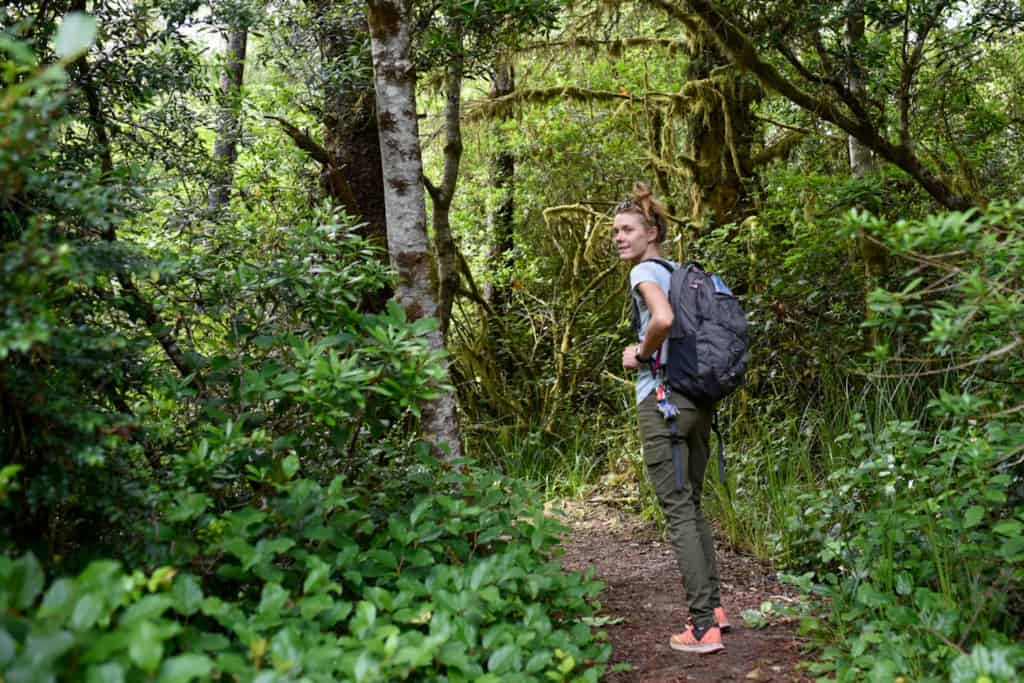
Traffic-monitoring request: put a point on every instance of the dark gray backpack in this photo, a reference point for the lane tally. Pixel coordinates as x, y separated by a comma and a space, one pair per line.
708, 345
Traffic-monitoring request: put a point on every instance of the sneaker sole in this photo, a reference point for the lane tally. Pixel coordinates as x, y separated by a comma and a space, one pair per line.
708, 649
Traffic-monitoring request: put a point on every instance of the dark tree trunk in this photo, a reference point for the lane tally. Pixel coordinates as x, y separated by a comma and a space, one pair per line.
442, 196
501, 220
352, 175
229, 119
719, 131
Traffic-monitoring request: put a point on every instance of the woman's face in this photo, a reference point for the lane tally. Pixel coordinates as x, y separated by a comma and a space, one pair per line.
632, 236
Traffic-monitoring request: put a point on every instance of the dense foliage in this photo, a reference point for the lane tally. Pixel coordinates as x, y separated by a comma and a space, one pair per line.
209, 464
210, 459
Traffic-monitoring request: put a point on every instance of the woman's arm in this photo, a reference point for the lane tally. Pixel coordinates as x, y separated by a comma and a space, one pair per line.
657, 329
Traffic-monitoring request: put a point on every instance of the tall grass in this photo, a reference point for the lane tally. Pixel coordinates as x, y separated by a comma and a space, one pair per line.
779, 451
563, 464
774, 452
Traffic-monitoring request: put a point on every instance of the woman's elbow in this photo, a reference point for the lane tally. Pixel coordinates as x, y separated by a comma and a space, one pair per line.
662, 322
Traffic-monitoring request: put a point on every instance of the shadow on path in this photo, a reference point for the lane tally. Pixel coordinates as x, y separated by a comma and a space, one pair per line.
645, 591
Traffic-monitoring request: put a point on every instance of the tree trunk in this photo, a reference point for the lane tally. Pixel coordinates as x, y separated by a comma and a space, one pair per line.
229, 119
719, 131
503, 168
352, 175
405, 208
659, 130
447, 261
861, 161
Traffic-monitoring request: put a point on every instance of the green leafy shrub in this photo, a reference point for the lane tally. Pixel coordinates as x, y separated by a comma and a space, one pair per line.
215, 443
445, 571
918, 542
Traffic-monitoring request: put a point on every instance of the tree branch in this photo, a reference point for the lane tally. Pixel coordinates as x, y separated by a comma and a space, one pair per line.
303, 140
333, 177
742, 51
500, 105
614, 47
778, 149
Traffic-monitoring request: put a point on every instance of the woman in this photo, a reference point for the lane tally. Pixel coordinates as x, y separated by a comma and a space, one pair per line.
639, 231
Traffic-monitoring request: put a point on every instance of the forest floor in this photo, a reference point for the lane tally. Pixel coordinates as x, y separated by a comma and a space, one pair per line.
644, 603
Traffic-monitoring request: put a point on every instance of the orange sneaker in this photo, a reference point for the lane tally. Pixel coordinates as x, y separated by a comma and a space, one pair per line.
694, 640
722, 620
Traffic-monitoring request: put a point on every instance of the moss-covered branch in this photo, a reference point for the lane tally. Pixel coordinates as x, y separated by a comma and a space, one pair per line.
501, 106
742, 51
613, 47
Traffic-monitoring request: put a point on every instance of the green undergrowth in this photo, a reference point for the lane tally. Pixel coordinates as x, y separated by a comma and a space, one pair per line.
894, 499
209, 463
887, 486
437, 572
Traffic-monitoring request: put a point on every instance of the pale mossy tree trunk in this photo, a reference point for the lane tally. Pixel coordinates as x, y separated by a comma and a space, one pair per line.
229, 118
404, 201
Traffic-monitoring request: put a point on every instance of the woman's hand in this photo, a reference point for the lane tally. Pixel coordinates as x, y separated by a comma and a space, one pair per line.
629, 361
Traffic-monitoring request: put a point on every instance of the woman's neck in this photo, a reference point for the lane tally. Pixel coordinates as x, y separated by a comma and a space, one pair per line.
652, 252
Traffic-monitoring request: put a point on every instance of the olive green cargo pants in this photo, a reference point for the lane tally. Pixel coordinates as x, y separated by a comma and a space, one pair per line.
687, 528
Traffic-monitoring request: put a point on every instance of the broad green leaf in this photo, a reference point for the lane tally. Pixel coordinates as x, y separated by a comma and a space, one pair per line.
146, 649
104, 647
29, 580
185, 668
43, 649
149, 607
366, 667
7, 647
88, 610
501, 659
1008, 527
973, 516
111, 672
290, 466
273, 599
187, 594
57, 598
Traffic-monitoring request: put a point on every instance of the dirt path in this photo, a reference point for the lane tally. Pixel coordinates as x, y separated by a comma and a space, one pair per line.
645, 592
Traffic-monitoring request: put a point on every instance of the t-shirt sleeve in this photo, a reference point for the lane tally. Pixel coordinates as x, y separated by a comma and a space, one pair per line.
643, 272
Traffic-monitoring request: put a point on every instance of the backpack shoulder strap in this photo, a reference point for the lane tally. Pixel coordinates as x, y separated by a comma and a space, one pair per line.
661, 262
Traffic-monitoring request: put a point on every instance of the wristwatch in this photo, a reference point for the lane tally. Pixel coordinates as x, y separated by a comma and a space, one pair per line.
639, 358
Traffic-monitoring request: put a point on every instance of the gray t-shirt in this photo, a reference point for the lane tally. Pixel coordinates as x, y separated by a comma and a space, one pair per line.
648, 271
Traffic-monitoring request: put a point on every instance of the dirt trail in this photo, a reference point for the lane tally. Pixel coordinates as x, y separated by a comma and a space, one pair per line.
645, 591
